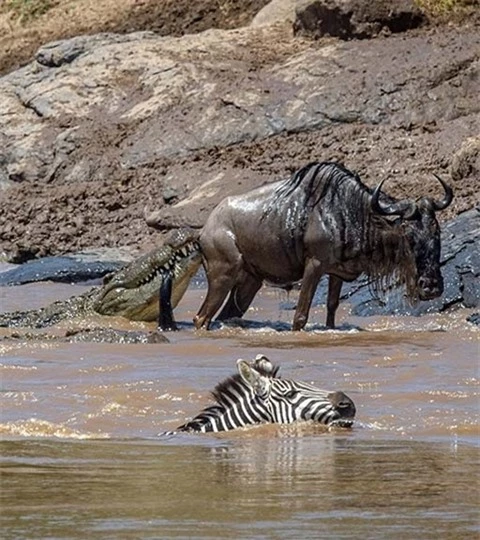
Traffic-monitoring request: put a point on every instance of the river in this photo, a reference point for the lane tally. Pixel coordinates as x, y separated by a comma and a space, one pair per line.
84, 454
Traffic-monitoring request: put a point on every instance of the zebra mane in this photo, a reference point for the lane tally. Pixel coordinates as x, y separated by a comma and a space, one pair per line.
221, 390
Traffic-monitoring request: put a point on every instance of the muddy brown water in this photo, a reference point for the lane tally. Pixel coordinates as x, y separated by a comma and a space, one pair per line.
83, 455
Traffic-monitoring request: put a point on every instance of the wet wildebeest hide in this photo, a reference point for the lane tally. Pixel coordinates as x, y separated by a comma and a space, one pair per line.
323, 220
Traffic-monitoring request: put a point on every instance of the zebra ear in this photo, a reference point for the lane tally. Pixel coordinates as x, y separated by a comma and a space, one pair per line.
252, 378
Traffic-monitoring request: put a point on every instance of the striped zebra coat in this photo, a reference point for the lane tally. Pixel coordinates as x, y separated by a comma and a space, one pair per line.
256, 395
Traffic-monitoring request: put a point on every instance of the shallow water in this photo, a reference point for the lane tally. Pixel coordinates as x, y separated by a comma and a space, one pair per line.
82, 455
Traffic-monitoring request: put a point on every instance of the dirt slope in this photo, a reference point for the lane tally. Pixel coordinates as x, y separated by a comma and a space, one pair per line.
93, 199
22, 32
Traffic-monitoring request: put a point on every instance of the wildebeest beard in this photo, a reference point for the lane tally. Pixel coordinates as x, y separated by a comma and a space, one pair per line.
344, 203
392, 262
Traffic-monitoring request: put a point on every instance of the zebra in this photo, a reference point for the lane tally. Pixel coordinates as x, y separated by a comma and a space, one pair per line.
257, 395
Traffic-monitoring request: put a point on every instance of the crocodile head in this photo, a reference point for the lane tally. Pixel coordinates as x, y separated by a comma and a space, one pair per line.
133, 292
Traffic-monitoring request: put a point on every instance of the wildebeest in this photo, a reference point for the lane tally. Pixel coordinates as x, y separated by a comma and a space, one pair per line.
257, 395
323, 220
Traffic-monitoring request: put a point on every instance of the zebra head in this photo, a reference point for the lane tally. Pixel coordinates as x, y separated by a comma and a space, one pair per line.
256, 395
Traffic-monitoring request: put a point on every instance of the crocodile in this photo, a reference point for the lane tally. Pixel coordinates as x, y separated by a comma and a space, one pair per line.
133, 292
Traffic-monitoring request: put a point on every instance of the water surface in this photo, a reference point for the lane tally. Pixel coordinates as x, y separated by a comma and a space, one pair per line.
83, 455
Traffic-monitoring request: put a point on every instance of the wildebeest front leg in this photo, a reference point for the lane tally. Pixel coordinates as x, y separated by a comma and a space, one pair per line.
165, 317
311, 276
241, 297
333, 299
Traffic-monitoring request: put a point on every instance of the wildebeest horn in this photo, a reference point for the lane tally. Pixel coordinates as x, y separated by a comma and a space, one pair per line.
400, 208
441, 205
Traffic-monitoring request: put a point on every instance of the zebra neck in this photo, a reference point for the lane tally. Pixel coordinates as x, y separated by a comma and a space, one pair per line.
243, 413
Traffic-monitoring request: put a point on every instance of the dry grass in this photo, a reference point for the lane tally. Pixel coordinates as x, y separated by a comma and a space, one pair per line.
52, 16
27, 24
447, 8
22, 11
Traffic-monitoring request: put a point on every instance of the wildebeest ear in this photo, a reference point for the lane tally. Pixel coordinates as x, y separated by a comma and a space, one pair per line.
252, 377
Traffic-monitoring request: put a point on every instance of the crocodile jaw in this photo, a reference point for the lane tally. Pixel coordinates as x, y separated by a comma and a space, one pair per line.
138, 300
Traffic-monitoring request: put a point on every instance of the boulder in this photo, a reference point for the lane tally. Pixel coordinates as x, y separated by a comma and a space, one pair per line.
466, 161
276, 12
360, 19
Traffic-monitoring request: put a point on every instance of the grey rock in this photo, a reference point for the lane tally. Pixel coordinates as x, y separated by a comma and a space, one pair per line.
60, 52
169, 195
57, 269
90, 335
113, 335
466, 161
78, 267
474, 318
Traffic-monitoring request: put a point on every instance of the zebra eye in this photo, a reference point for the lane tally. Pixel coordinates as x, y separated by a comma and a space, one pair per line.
290, 394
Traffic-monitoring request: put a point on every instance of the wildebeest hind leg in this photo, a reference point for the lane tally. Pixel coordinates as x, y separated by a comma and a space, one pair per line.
218, 288
240, 297
333, 299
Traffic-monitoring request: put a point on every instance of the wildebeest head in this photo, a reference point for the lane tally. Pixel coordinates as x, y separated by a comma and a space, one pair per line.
422, 231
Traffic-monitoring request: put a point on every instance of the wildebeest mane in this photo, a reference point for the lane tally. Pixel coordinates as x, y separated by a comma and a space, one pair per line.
316, 179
